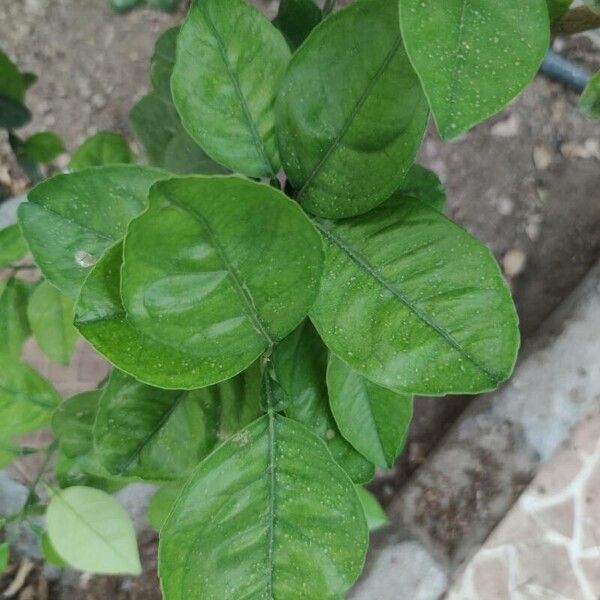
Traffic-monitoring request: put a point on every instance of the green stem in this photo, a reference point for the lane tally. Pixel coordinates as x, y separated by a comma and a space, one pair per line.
328, 8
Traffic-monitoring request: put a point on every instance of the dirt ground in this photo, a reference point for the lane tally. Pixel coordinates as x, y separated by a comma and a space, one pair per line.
527, 183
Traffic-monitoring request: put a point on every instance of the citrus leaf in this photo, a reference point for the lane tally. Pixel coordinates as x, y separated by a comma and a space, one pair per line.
13, 246
26, 399
296, 19
14, 326
422, 184
300, 363
373, 419
414, 303
49, 553
557, 8
230, 60
161, 435
473, 56
50, 314
375, 515
161, 504
162, 63
13, 114
350, 113
91, 531
101, 149
269, 514
12, 84
214, 263
70, 220
43, 147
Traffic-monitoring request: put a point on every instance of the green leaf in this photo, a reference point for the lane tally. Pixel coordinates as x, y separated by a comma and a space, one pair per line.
29, 166
50, 314
300, 363
12, 85
51, 556
414, 303
296, 19
473, 56
230, 60
8, 451
590, 99
375, 515
166, 5
161, 435
73, 421
161, 504
166, 144
71, 220
557, 8
13, 246
85, 470
4, 556
373, 419
14, 327
351, 113
26, 399
424, 185
92, 532
43, 147
125, 5
163, 62
13, 114
214, 263
102, 148
269, 514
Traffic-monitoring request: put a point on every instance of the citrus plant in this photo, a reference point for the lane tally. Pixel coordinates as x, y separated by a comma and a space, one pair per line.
272, 288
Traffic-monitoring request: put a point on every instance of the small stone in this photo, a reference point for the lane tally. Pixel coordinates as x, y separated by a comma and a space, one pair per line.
98, 101
505, 206
514, 262
542, 157
589, 149
507, 128
533, 231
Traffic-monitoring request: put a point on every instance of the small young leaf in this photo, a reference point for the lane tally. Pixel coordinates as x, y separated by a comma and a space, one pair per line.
375, 515
43, 147
161, 504
218, 262
51, 556
12, 85
296, 19
414, 303
85, 470
373, 419
14, 326
230, 60
91, 531
51, 315
424, 185
350, 113
13, 114
163, 62
161, 435
103, 148
4, 556
29, 166
26, 400
13, 246
70, 220
590, 99
300, 363
269, 514
473, 57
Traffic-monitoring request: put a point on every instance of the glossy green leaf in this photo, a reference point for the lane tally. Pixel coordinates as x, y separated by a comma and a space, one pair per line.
92, 532
557, 8
473, 56
13, 114
163, 63
51, 556
166, 144
70, 220
414, 303
14, 326
4, 556
12, 85
590, 99
26, 399
296, 19
102, 148
8, 451
351, 113
161, 435
424, 185
73, 421
230, 60
43, 147
269, 514
13, 246
161, 504
50, 314
218, 269
373, 419
300, 363
375, 515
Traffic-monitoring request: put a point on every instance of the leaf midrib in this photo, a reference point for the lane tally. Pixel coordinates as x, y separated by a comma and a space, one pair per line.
366, 266
350, 118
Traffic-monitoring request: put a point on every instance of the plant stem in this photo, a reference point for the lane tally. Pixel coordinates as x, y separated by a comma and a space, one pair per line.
576, 20
328, 8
